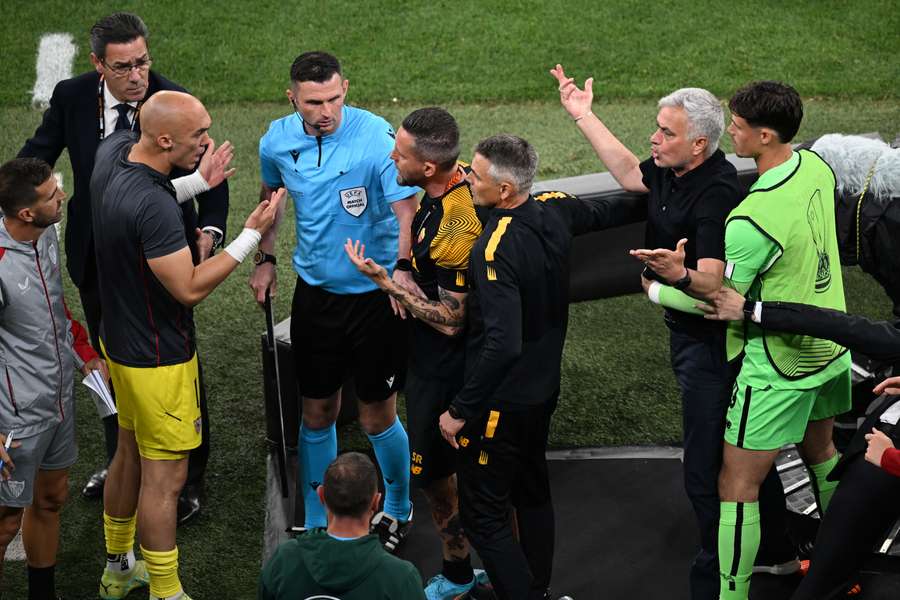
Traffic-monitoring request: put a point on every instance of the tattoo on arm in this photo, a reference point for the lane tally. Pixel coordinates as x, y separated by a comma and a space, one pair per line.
447, 312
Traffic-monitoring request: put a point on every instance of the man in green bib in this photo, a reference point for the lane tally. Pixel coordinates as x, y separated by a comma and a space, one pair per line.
780, 244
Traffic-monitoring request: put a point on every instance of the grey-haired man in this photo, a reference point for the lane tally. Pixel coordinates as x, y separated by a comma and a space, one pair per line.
691, 188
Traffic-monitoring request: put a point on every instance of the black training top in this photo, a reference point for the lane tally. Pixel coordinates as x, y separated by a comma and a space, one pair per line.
443, 232
518, 301
135, 218
693, 206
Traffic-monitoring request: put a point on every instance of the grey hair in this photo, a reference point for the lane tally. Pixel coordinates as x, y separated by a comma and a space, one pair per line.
512, 159
704, 112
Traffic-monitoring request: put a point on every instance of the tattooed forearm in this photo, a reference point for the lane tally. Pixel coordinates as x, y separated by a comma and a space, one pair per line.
448, 300
444, 315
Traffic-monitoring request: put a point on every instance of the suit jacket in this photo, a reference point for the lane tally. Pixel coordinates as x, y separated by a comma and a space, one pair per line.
71, 122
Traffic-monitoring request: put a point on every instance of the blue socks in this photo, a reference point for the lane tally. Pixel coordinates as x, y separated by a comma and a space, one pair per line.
317, 448
392, 451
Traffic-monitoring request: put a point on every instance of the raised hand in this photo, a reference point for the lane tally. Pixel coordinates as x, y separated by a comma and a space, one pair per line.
668, 264
577, 102
263, 216
214, 163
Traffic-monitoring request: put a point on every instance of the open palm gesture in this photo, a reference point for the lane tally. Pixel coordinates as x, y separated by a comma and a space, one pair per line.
576, 102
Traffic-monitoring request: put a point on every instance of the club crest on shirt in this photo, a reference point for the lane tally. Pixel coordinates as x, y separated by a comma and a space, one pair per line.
354, 200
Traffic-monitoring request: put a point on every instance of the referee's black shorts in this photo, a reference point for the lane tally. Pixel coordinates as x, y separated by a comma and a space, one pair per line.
431, 457
335, 335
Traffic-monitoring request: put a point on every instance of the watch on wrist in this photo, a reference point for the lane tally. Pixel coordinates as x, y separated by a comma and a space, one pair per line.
261, 257
217, 238
451, 410
404, 264
683, 283
749, 309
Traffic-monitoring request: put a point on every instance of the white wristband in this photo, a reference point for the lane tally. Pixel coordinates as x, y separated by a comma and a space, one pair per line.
757, 313
189, 186
653, 291
244, 244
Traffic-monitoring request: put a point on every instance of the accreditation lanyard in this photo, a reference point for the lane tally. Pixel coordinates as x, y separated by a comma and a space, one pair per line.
101, 112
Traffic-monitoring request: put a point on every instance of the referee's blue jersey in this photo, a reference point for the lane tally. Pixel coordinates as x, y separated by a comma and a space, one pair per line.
342, 185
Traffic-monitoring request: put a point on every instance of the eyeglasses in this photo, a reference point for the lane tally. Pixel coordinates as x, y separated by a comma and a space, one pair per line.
141, 65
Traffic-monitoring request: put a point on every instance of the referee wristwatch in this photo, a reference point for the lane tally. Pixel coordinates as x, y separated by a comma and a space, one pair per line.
261, 257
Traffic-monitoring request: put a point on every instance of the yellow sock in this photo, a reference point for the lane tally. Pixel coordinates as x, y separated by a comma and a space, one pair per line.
163, 569
119, 533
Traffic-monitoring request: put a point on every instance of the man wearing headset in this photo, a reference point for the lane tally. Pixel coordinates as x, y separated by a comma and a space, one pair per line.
335, 162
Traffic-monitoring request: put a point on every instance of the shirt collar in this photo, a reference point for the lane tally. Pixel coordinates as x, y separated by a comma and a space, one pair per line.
110, 101
697, 172
331, 136
776, 175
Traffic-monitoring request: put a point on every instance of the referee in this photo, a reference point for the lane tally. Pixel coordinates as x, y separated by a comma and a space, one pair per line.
518, 312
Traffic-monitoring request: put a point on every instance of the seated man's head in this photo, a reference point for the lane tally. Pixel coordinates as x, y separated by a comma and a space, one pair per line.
426, 144
30, 196
503, 170
175, 125
764, 114
350, 489
688, 127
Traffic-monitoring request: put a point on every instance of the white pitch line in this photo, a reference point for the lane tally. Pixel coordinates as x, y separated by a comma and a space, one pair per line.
56, 52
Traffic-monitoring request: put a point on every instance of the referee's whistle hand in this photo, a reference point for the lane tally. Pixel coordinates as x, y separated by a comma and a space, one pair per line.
263, 278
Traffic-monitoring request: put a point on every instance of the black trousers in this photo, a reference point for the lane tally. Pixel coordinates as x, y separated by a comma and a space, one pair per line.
706, 380
864, 507
502, 465
199, 456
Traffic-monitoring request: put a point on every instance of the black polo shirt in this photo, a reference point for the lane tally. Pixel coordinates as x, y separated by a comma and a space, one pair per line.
693, 206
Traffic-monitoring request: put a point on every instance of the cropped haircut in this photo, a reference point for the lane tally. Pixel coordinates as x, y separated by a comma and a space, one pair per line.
315, 66
769, 104
18, 179
350, 483
117, 28
512, 158
436, 136
704, 114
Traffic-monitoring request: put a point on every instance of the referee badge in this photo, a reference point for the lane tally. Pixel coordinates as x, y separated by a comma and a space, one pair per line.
354, 200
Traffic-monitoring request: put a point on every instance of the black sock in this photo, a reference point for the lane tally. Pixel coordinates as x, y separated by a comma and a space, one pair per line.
458, 571
41, 583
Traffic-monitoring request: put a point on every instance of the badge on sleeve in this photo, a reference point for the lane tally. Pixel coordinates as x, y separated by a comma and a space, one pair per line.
354, 200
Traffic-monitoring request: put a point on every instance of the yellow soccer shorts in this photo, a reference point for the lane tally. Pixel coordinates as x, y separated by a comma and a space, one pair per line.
161, 405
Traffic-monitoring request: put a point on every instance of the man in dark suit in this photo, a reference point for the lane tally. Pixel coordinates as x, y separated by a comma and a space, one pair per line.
83, 111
